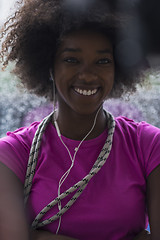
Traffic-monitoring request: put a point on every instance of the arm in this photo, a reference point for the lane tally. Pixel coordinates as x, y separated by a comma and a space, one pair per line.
153, 202
144, 235
13, 223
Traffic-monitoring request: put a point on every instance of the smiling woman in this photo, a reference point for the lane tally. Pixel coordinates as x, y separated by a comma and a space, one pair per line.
68, 53
41, 34
84, 74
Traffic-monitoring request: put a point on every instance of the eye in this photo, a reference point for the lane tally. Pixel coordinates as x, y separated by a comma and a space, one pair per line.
104, 61
71, 60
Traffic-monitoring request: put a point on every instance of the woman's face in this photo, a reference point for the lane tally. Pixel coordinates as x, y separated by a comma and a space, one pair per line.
83, 71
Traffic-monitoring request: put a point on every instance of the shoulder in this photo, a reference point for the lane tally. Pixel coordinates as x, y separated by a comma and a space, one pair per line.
143, 133
15, 149
144, 138
125, 124
129, 125
23, 134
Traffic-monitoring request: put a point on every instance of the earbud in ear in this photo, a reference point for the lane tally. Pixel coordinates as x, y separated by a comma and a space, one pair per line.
51, 75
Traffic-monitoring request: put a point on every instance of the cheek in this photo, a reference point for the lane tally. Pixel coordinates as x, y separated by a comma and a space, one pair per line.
61, 84
58, 76
61, 73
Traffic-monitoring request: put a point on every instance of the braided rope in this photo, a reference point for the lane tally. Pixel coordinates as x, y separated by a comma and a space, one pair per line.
80, 186
33, 156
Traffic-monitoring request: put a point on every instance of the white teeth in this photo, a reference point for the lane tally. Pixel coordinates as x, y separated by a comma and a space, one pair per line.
85, 92
94, 91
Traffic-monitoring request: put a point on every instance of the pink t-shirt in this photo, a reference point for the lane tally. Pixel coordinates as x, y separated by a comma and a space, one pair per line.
113, 205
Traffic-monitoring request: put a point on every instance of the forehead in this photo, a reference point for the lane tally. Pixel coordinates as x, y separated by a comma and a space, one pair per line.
86, 39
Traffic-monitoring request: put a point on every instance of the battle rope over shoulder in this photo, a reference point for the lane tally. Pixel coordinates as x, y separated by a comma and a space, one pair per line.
80, 186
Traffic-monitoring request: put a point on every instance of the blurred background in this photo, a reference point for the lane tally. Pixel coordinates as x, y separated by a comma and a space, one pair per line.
19, 108
5, 9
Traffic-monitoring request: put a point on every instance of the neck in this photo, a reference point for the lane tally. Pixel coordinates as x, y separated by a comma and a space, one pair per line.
76, 126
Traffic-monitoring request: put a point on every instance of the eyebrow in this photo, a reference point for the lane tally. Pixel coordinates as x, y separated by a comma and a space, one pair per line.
80, 50
71, 50
105, 51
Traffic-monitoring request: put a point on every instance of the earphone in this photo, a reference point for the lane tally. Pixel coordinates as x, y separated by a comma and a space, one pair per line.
57, 128
65, 175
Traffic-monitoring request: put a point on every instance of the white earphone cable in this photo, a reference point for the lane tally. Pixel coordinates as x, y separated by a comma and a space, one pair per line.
65, 175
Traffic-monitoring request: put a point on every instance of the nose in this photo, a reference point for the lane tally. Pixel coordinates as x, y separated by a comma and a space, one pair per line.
87, 75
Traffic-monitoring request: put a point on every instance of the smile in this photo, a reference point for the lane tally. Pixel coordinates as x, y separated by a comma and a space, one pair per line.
86, 92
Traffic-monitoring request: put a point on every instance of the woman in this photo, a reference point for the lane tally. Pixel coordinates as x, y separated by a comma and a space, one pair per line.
73, 49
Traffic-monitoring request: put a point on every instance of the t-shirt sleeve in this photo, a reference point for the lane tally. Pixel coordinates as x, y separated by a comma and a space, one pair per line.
15, 149
149, 140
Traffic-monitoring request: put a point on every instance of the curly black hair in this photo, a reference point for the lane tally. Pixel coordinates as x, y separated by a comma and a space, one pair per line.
31, 37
